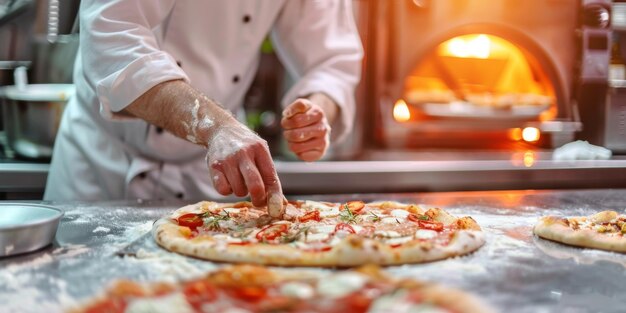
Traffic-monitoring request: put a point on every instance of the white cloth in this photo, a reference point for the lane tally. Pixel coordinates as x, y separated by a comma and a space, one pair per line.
129, 46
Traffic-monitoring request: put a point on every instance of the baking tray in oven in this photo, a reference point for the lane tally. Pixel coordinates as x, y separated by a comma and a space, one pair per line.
463, 109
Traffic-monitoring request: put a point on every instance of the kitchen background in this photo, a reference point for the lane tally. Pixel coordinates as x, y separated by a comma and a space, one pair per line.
455, 95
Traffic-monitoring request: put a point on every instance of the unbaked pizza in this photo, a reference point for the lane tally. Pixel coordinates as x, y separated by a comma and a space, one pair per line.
605, 230
250, 288
318, 233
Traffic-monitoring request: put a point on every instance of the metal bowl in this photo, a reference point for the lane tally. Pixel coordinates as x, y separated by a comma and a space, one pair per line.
27, 227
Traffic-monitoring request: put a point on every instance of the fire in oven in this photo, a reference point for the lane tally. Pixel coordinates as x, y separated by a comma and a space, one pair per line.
486, 74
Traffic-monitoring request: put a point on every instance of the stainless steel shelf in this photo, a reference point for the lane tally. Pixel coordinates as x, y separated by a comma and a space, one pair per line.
23, 177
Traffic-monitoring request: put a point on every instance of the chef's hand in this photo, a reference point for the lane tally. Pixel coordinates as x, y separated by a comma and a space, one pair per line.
307, 128
240, 162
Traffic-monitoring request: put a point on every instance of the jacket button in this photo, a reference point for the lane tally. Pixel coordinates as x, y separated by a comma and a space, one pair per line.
236, 79
142, 175
159, 130
180, 195
247, 18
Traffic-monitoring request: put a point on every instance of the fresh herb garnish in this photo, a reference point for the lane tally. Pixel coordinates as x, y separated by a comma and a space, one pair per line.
347, 215
212, 220
286, 238
376, 217
423, 217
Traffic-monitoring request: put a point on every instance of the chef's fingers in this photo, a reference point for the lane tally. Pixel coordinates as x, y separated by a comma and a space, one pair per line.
273, 189
220, 182
315, 115
318, 143
306, 133
254, 182
298, 106
235, 180
311, 155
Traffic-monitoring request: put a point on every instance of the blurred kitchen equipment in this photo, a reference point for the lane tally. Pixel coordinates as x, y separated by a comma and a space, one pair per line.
32, 116
10, 10
27, 227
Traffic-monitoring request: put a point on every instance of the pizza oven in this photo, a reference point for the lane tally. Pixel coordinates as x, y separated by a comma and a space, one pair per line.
486, 74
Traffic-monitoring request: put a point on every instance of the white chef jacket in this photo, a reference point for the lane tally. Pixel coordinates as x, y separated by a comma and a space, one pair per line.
129, 46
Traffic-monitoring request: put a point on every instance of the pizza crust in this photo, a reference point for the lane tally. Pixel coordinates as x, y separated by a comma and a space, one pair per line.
558, 229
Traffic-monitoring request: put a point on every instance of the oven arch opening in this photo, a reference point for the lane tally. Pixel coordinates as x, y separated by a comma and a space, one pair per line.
488, 66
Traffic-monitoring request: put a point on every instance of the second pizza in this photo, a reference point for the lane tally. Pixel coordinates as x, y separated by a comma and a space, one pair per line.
318, 233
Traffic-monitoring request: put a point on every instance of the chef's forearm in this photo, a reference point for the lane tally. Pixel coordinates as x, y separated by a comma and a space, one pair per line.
182, 110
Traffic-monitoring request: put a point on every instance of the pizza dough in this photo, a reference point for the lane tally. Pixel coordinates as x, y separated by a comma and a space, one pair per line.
604, 230
249, 288
318, 234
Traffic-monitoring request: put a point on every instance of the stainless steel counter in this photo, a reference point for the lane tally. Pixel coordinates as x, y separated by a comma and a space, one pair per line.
514, 271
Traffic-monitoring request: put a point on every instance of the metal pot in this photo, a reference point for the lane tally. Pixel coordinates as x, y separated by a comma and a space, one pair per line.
32, 115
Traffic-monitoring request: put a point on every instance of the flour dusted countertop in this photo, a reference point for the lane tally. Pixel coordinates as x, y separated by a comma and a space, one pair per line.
515, 271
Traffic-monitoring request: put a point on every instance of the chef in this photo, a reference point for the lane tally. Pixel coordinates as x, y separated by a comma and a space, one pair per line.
160, 83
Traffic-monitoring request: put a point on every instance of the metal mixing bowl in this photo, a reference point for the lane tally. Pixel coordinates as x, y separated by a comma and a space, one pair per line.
32, 116
27, 227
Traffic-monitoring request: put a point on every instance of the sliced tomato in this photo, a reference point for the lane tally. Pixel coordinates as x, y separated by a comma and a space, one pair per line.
432, 225
354, 206
111, 305
344, 227
191, 220
358, 302
417, 218
367, 231
310, 216
271, 232
199, 293
248, 293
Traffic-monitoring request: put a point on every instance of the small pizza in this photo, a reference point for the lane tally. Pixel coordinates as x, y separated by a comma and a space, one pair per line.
605, 230
318, 233
253, 288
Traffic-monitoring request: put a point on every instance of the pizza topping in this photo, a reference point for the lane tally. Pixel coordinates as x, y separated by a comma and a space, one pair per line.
325, 210
400, 214
212, 220
310, 216
191, 220
432, 225
271, 232
341, 284
425, 234
171, 303
199, 293
297, 290
348, 216
343, 227
416, 218
387, 233
354, 206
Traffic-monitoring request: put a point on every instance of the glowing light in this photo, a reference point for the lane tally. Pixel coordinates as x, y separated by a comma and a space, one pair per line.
458, 48
480, 47
515, 134
475, 47
530, 134
401, 111
529, 158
